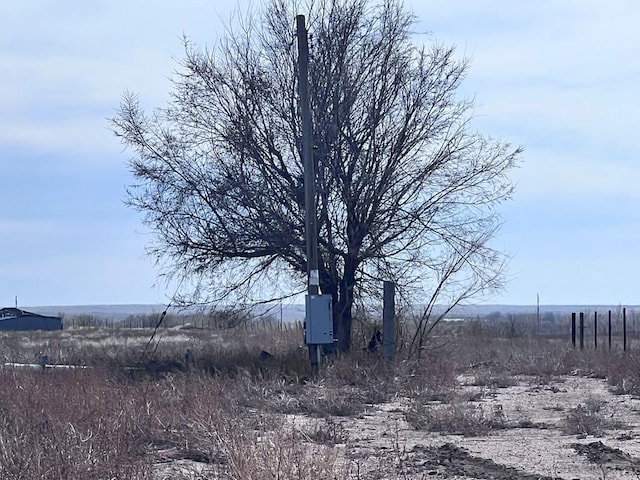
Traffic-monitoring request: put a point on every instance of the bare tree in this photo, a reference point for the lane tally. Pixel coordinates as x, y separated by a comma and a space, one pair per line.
406, 190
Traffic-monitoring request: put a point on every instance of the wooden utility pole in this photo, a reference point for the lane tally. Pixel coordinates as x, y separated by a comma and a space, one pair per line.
307, 157
313, 277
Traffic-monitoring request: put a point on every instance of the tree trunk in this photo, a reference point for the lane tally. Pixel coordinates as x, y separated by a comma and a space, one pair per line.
342, 316
342, 327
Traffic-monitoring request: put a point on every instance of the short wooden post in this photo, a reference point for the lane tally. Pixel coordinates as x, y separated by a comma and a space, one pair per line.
581, 330
573, 329
388, 320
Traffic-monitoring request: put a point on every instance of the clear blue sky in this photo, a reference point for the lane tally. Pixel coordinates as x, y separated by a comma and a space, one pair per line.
560, 78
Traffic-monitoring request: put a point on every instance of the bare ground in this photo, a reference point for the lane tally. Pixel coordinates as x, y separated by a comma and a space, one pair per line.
532, 442
561, 428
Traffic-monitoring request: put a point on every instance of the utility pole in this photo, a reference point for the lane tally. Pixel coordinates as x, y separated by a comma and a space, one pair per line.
313, 277
307, 158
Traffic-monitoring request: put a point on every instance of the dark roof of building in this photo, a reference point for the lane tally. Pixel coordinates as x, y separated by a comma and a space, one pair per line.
16, 312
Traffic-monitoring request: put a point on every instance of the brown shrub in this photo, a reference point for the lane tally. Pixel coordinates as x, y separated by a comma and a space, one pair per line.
455, 418
70, 425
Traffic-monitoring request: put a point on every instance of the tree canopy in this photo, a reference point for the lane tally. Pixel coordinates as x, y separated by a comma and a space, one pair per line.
406, 189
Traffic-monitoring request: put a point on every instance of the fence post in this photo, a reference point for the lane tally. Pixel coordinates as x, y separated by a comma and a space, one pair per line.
624, 329
609, 330
581, 330
573, 329
595, 330
388, 320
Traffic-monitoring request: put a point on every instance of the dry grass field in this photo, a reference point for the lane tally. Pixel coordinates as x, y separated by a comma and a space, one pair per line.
481, 403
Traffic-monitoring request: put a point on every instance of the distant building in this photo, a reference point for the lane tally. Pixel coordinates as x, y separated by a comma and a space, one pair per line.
16, 319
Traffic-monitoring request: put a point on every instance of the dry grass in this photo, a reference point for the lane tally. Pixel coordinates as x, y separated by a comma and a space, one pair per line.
586, 419
223, 411
456, 418
230, 414
72, 425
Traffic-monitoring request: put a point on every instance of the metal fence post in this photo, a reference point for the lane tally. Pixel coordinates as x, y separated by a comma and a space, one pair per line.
609, 330
595, 330
624, 329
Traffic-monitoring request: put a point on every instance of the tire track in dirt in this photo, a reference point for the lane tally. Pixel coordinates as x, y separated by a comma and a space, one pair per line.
449, 459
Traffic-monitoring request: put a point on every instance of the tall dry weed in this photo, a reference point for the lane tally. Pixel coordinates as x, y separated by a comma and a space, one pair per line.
71, 425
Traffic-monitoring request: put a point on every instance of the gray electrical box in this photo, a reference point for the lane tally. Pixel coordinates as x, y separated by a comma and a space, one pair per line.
319, 320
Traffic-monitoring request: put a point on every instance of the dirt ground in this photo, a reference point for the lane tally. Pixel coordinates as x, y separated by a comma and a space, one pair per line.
532, 443
563, 428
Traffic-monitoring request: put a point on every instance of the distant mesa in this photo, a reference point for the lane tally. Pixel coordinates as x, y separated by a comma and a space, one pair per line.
16, 319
